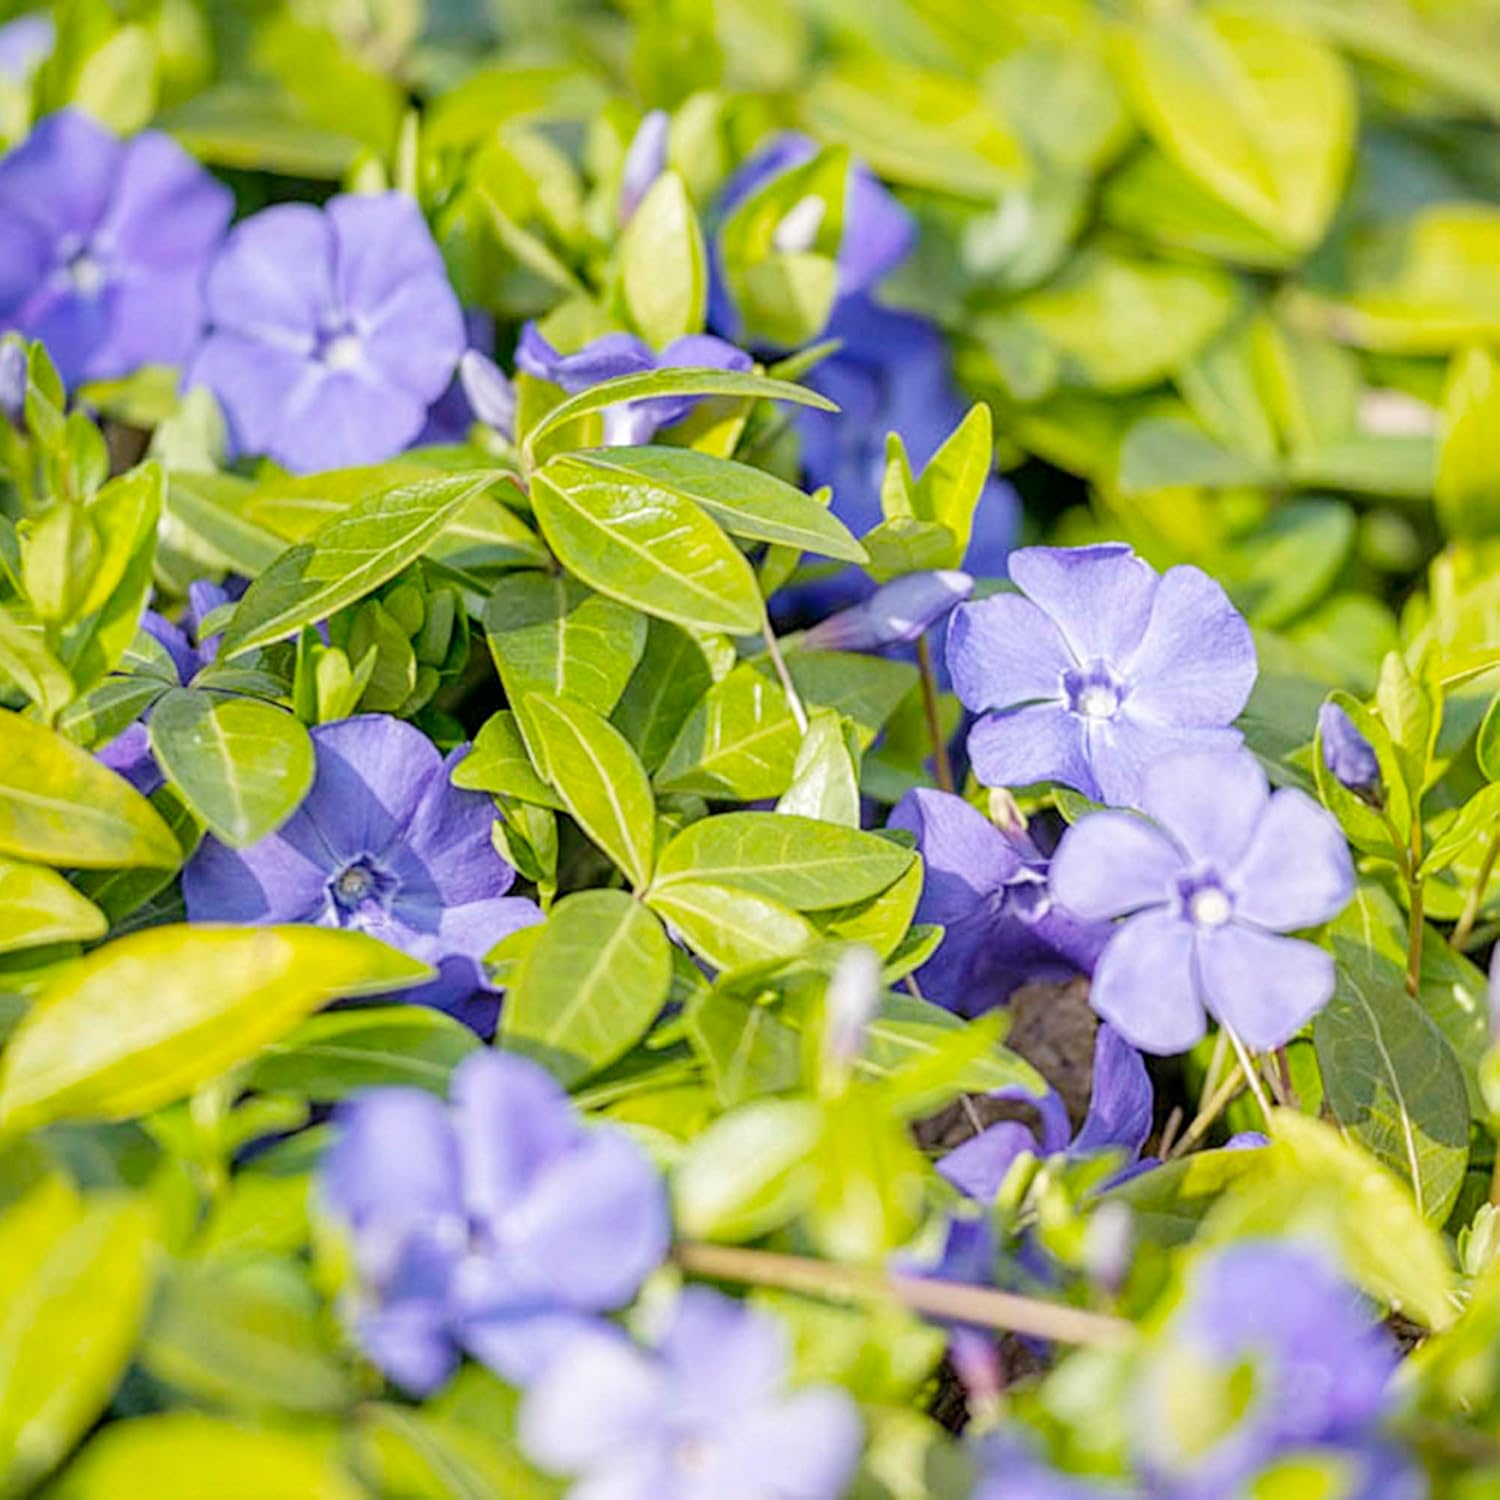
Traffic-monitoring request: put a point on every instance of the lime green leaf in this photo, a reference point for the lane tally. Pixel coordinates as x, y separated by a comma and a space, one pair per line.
355, 552
590, 985
747, 1047
728, 927
1467, 491
746, 502
550, 634
74, 1284
241, 764
669, 679
499, 763
599, 779
825, 778
38, 906
664, 265
332, 1055
60, 806
146, 1019
740, 741
666, 557
804, 864
27, 663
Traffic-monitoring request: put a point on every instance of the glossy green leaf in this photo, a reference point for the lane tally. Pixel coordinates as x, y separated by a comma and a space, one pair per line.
60, 806
550, 634
241, 764
825, 778
804, 864
500, 763
28, 664
731, 927
355, 552
147, 1018
746, 502
747, 1047
591, 984
664, 264
38, 906
1467, 489
658, 552
741, 741
671, 677
600, 780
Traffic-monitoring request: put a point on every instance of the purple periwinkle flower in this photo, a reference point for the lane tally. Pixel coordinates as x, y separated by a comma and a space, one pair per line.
1347, 753
1096, 668
1118, 1119
490, 392
615, 354
1011, 1471
104, 246
645, 161
332, 331
13, 376
499, 1224
386, 844
24, 42
1319, 1369
1207, 888
706, 1415
896, 614
989, 890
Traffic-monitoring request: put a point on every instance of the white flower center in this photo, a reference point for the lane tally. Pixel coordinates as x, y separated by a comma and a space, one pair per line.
343, 352
692, 1455
1098, 701
1209, 907
87, 276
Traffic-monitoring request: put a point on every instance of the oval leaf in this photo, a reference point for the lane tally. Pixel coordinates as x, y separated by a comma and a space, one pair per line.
38, 906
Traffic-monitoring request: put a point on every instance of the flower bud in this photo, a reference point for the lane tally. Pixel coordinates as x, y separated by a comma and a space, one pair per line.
489, 391
1348, 754
895, 614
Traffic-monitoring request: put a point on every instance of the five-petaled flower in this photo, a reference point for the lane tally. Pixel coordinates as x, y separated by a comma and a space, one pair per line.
1096, 668
104, 244
1207, 890
385, 843
332, 331
704, 1416
499, 1224
988, 889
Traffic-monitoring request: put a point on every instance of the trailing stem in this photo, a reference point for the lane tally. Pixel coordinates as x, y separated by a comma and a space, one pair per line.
933, 709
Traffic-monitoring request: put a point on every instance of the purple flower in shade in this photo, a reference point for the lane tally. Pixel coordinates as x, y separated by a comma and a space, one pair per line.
13, 376
450, 417
1206, 890
489, 391
385, 843
1347, 753
896, 614
615, 354
104, 244
989, 890
704, 1416
1119, 1120
645, 161
1097, 667
332, 331
499, 1224
129, 753
1319, 1371
24, 42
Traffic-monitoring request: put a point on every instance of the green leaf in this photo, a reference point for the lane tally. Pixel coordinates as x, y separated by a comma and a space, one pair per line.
746, 1046
746, 502
804, 864
74, 1285
1479, 816
1406, 706
731, 927
599, 779
664, 264
550, 634
1258, 111
1467, 489
26, 661
675, 382
60, 806
210, 508
352, 554
144, 1020
825, 779
669, 679
864, 689
955, 477
185, 1455
666, 557
1487, 743
740, 742
1365, 828
1170, 1201
241, 764
500, 763
590, 986
910, 1036
330, 1056
38, 906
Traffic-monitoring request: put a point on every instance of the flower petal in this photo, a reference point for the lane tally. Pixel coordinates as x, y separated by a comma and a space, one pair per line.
1210, 802
446, 855
282, 878
165, 211
373, 771
255, 383
1098, 597
1122, 749
1041, 743
61, 177
965, 857
1145, 987
1121, 1101
339, 419
979, 1165
1195, 664
803, 1447
1296, 871
1112, 863
1265, 987
725, 1354
273, 280
1003, 651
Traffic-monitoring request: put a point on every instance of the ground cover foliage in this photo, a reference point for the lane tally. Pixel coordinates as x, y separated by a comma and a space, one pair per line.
749, 748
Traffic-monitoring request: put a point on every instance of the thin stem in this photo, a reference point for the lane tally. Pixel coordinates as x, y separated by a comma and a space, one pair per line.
1169, 1132
794, 699
1247, 1067
1495, 1179
1211, 1079
1228, 1090
1414, 941
1284, 1072
933, 710
953, 1300
1475, 901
